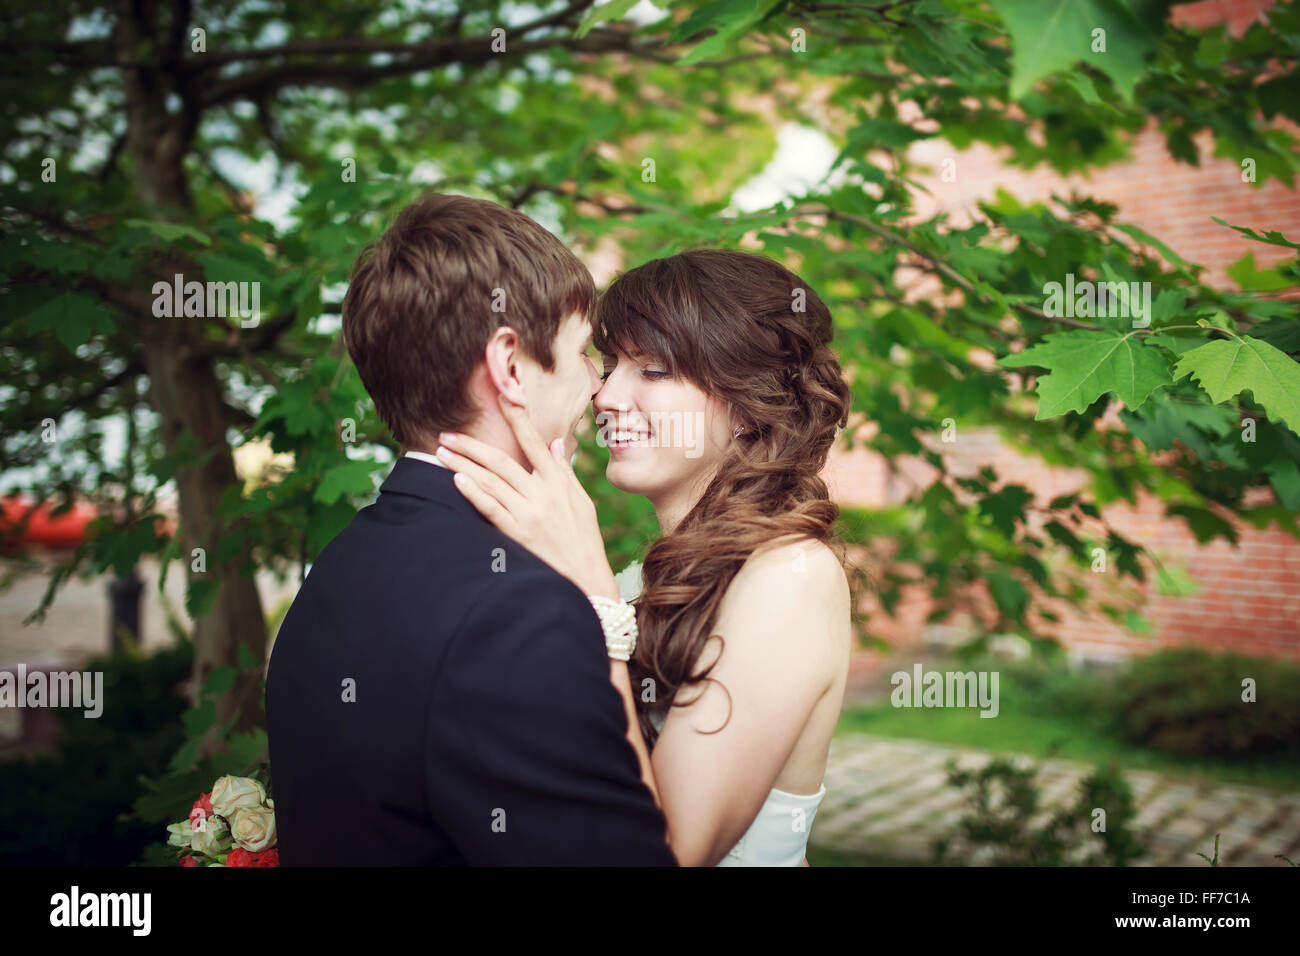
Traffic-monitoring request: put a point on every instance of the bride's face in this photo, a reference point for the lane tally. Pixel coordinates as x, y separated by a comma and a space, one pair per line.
665, 435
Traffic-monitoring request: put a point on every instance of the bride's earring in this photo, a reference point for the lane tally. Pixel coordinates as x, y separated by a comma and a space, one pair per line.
739, 429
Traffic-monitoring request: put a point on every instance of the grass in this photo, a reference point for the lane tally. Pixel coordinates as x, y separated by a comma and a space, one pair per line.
1025, 724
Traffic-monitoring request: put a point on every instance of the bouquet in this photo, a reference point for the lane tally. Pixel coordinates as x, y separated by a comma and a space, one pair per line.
233, 825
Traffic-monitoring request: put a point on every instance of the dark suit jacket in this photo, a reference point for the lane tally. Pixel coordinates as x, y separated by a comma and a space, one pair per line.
484, 729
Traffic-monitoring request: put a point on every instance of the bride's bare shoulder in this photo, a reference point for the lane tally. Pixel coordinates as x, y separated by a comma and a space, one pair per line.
794, 565
791, 586
798, 550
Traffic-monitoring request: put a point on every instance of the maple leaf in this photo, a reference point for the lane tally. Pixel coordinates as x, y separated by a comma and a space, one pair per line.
1224, 368
1084, 365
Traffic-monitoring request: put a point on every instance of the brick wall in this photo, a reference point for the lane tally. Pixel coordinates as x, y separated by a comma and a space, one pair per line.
1249, 597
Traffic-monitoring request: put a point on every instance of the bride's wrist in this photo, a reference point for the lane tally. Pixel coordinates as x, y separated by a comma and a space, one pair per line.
603, 585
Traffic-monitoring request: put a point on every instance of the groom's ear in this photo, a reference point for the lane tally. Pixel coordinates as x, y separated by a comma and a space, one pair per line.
502, 357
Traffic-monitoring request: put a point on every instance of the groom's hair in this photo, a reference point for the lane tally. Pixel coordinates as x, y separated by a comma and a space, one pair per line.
424, 299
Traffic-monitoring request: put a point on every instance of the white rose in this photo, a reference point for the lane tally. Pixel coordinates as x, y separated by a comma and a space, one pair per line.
231, 793
207, 840
179, 834
253, 828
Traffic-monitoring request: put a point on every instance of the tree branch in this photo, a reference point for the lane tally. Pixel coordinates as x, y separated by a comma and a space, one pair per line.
938, 266
351, 76
55, 222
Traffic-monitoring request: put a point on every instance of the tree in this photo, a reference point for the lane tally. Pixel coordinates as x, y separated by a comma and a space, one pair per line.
117, 178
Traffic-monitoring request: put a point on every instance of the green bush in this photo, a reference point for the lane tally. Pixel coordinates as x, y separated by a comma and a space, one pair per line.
1189, 702
62, 809
1003, 799
1048, 686
1186, 701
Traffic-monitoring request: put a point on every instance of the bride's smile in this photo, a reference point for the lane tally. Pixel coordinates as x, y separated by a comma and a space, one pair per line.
665, 435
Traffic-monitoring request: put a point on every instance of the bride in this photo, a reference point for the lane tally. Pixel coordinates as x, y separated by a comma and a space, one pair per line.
719, 403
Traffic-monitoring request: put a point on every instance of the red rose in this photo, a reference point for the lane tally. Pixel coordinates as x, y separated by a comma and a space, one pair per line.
240, 857
201, 810
189, 861
268, 858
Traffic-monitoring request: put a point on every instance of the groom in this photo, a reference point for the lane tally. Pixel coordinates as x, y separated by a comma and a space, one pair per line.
437, 694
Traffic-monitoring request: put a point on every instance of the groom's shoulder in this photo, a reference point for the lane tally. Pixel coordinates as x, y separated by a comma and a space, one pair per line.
468, 560
524, 591
459, 559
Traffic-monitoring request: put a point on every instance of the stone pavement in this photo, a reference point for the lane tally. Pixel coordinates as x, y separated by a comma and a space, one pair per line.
889, 798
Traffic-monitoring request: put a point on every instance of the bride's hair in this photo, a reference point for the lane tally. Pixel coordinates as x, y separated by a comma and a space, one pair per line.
752, 334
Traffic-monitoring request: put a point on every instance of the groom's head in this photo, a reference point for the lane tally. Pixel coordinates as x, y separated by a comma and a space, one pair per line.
461, 299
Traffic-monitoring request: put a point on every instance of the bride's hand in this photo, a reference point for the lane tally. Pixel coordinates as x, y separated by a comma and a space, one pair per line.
547, 511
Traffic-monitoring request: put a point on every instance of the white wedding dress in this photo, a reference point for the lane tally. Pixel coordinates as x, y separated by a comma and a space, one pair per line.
779, 834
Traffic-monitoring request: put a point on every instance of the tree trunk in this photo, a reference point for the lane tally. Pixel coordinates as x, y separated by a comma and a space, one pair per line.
183, 386
186, 395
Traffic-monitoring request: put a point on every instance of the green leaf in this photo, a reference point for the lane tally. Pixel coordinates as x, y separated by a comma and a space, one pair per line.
1008, 593
1174, 581
1138, 624
326, 522
1249, 277
170, 231
1141, 235
167, 798
73, 317
1205, 524
875, 133
1050, 36
197, 720
121, 549
245, 750
349, 478
1163, 421
728, 18
188, 752
1007, 506
1284, 476
245, 657
1282, 332
1127, 556
1086, 364
1067, 538
606, 11
219, 681
1272, 237
165, 558
219, 267
199, 595
1280, 95
1225, 368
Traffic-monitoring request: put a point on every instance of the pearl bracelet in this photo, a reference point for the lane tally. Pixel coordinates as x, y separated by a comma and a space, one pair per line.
618, 621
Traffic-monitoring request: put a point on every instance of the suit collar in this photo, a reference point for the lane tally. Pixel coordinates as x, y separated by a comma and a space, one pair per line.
420, 479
